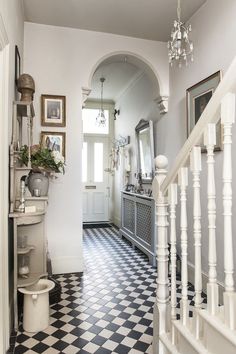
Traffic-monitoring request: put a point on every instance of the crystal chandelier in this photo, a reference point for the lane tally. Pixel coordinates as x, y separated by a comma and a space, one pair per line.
180, 47
101, 119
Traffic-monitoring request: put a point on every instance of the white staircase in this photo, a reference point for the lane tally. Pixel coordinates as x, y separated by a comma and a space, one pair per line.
211, 330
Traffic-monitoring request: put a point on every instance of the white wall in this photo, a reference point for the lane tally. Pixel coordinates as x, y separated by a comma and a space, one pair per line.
11, 34
214, 33
11, 12
63, 60
137, 103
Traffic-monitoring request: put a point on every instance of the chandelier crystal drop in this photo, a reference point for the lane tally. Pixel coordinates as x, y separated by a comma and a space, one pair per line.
101, 119
180, 47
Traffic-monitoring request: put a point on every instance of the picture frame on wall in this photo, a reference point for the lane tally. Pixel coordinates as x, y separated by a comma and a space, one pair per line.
17, 64
53, 111
54, 141
197, 98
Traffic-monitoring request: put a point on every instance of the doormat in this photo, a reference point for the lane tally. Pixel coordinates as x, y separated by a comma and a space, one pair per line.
96, 226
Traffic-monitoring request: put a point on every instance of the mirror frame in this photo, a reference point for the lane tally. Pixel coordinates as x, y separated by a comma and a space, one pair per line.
140, 126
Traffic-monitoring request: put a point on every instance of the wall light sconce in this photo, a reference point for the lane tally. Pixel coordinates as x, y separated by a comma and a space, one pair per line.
116, 113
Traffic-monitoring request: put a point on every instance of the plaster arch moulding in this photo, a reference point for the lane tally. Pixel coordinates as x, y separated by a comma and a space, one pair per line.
159, 79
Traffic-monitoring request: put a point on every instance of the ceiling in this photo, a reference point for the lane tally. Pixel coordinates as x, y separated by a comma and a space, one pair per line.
148, 19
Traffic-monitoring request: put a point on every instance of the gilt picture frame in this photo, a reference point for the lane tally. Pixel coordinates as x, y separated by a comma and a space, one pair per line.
54, 141
53, 111
197, 98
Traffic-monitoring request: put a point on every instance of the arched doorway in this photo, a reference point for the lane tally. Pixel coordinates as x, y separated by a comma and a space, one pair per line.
160, 86
130, 71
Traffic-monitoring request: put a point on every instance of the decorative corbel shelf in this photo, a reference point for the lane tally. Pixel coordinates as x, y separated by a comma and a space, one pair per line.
162, 102
85, 93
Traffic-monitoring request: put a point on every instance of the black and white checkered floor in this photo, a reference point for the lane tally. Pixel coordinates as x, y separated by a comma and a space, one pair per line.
108, 309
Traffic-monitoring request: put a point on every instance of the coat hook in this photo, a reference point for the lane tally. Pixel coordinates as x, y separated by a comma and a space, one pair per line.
116, 112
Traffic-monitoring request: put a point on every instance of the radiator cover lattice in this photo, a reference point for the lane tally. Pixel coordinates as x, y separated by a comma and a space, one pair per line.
129, 214
144, 222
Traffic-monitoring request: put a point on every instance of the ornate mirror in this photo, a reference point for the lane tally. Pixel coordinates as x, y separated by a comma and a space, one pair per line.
145, 150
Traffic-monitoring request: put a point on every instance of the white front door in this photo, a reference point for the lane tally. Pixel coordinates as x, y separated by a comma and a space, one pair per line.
96, 191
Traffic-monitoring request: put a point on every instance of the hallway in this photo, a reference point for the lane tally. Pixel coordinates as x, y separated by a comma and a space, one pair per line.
106, 310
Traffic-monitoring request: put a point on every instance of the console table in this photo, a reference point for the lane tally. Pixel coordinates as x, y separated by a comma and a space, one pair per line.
138, 223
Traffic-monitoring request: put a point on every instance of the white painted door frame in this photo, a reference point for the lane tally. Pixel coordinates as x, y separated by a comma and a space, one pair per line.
4, 117
110, 136
96, 195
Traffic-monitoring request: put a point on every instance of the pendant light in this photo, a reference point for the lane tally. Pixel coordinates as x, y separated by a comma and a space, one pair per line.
180, 47
101, 119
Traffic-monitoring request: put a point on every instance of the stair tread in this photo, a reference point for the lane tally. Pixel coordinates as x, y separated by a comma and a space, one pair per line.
165, 339
190, 338
219, 325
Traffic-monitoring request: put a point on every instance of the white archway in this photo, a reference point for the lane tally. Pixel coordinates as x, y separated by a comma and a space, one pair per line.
159, 95
134, 59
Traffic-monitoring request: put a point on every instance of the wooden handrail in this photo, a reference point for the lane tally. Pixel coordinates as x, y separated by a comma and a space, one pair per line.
211, 114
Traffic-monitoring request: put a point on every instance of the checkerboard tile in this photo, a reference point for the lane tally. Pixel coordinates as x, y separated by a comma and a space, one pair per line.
108, 309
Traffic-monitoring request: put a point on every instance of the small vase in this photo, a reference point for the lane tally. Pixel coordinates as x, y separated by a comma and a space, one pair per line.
38, 182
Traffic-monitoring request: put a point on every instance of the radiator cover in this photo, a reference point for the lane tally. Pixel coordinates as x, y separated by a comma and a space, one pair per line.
138, 222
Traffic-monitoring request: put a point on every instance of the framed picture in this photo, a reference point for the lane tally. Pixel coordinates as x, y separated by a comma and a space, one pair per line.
17, 64
53, 111
54, 141
197, 98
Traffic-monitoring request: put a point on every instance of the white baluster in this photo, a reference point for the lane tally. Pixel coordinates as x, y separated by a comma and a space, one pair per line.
212, 286
227, 119
161, 307
196, 167
172, 195
183, 183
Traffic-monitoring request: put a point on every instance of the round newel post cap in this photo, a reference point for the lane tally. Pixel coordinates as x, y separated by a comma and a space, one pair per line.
161, 162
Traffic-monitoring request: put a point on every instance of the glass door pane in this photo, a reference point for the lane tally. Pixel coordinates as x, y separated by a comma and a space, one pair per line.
85, 162
89, 122
98, 162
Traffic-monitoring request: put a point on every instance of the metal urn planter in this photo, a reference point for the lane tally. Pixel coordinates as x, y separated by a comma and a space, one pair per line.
38, 184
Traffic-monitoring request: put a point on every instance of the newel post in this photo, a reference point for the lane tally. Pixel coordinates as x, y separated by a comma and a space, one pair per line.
162, 298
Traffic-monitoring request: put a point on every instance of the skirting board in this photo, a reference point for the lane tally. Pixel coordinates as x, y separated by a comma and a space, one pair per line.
117, 221
61, 265
204, 281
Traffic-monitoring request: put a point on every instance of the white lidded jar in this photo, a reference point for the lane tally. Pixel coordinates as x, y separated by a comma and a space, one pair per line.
36, 305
